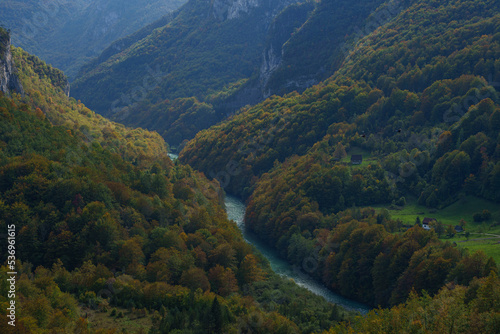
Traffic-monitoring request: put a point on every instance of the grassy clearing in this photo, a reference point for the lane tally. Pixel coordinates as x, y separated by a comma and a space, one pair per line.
490, 246
129, 323
451, 215
367, 159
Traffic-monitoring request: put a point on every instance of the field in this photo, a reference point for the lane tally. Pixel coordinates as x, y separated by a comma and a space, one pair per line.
490, 246
488, 234
129, 323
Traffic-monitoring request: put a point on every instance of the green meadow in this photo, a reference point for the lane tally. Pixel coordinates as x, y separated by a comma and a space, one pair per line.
488, 232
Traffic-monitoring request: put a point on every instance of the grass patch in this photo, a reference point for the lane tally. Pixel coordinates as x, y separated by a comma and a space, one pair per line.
451, 215
487, 243
490, 246
131, 322
367, 159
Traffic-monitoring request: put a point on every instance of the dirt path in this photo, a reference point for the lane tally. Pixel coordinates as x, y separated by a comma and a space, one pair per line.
496, 236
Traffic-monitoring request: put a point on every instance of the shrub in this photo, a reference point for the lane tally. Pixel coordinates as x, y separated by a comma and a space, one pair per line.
481, 216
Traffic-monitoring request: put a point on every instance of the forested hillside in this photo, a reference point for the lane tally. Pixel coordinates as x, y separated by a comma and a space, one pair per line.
455, 308
108, 226
417, 99
67, 34
213, 58
205, 49
403, 88
45, 92
114, 237
330, 30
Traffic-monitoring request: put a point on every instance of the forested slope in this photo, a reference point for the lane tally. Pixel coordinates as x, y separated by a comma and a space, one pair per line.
210, 59
396, 91
67, 34
418, 99
458, 309
104, 220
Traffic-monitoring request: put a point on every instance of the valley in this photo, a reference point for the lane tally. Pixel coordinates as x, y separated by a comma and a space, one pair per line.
235, 209
250, 166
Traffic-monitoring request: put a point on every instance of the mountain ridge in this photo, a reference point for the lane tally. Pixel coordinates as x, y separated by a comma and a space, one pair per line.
109, 221
69, 33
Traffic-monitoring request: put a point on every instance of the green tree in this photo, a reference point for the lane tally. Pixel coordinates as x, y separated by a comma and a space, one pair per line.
450, 231
439, 228
339, 152
215, 321
195, 278
249, 270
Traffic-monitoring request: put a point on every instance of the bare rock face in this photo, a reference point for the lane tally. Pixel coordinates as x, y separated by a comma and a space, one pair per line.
232, 9
8, 78
270, 62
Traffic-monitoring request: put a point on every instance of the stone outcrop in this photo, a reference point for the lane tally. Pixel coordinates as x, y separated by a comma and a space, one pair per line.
233, 9
8, 77
270, 62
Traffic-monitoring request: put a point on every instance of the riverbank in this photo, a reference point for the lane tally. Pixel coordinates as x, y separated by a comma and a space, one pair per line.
236, 211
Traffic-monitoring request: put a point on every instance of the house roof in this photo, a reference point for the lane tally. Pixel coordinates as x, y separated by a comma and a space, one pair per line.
356, 157
428, 220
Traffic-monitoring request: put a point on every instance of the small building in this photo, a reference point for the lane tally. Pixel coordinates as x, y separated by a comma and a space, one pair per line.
356, 159
459, 229
426, 222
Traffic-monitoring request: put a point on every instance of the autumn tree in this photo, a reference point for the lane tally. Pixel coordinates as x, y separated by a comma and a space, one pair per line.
339, 152
222, 280
195, 278
249, 270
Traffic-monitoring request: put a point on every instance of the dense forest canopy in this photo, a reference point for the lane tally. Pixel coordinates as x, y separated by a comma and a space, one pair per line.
397, 111
106, 224
394, 94
418, 100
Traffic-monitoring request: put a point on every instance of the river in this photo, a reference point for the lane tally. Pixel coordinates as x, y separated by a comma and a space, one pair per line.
236, 211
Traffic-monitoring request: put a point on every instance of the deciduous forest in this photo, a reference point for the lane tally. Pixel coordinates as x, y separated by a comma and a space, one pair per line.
364, 139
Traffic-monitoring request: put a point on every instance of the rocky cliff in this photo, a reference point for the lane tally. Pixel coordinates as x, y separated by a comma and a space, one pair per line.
8, 78
282, 28
233, 9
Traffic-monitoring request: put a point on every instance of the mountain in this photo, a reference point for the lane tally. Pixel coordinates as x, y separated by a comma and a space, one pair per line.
111, 235
67, 34
417, 99
389, 93
107, 227
289, 65
213, 58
